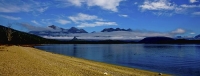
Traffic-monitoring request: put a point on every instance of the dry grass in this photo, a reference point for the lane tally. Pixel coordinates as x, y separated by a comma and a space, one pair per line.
26, 61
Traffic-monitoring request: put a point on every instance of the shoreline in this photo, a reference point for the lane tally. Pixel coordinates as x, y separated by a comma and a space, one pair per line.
18, 60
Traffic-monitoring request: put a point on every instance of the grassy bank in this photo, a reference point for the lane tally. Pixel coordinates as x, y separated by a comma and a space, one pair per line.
25, 61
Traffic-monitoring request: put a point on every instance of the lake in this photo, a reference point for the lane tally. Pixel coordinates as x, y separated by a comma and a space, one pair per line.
179, 60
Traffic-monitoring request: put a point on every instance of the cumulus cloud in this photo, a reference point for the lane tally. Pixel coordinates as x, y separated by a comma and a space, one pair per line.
96, 24
162, 7
10, 17
104, 4
84, 17
86, 20
193, 1
178, 31
62, 21
157, 5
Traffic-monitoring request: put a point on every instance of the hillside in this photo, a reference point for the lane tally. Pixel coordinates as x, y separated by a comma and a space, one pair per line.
22, 38
157, 40
167, 40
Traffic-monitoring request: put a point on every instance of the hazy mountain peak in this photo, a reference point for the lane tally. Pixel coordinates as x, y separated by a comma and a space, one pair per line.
197, 37
117, 29
52, 26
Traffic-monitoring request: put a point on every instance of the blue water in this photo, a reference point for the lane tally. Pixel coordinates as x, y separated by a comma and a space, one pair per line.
179, 60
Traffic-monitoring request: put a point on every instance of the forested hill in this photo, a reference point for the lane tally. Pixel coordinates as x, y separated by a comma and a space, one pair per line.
19, 37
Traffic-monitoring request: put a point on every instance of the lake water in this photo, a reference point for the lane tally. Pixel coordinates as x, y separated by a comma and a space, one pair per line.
179, 60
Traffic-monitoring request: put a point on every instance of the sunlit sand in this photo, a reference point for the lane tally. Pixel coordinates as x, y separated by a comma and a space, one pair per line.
25, 61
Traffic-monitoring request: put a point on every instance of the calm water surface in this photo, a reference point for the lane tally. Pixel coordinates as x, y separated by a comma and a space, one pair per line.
179, 60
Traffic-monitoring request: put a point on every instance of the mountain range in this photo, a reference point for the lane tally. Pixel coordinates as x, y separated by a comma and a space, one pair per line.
117, 29
57, 31
19, 37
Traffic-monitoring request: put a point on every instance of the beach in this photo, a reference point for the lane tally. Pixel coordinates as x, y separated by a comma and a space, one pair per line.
28, 61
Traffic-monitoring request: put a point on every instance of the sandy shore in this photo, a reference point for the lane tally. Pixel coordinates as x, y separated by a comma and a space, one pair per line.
27, 61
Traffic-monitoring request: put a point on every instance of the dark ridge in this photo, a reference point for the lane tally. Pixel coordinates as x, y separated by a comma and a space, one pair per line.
167, 40
157, 40
23, 38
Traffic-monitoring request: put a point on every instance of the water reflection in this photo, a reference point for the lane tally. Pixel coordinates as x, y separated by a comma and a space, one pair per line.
74, 49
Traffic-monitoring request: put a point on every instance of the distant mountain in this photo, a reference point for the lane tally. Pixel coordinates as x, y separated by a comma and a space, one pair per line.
117, 29
76, 30
57, 31
197, 37
19, 37
53, 27
157, 40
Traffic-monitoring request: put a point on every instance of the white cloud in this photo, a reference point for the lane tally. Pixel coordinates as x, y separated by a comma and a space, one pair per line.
191, 9
165, 7
49, 21
42, 9
136, 3
121, 35
192, 33
104, 4
157, 5
121, 15
86, 20
84, 17
35, 22
6, 8
76, 2
196, 13
10, 17
82, 25
178, 31
14, 6
193, 1
116, 35
62, 21
190, 6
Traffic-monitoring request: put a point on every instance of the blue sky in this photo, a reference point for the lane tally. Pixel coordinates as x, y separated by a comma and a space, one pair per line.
163, 16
